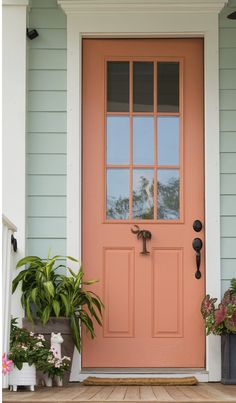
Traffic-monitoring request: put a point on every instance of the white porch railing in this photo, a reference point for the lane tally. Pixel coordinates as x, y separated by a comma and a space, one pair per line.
8, 246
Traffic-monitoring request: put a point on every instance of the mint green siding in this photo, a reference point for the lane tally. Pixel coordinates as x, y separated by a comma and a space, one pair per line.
227, 39
46, 142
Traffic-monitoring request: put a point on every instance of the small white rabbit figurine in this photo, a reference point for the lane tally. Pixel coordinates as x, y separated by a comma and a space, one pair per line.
56, 341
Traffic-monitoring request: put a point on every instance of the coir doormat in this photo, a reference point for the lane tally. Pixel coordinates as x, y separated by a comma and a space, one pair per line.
187, 381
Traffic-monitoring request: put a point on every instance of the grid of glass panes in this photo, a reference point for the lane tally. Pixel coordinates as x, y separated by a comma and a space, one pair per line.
142, 140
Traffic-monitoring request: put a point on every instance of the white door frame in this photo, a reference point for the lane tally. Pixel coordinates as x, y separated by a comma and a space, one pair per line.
148, 19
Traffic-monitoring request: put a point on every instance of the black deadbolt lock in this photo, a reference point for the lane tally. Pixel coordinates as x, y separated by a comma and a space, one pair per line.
197, 225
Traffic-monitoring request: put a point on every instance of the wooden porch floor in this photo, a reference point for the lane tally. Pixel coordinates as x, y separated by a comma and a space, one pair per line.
204, 392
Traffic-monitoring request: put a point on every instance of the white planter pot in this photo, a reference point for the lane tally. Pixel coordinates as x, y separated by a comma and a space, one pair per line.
47, 380
23, 377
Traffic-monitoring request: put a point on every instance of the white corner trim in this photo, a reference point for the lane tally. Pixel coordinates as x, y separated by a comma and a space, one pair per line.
129, 25
140, 6
15, 2
14, 18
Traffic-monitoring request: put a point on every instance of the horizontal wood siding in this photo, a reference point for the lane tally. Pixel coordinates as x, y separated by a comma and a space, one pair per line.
227, 39
46, 141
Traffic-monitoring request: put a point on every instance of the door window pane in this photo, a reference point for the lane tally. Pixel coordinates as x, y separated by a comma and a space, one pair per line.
168, 87
118, 140
117, 194
168, 194
143, 192
118, 86
143, 86
168, 140
143, 140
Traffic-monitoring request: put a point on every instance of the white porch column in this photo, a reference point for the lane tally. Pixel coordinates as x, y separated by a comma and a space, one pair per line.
14, 13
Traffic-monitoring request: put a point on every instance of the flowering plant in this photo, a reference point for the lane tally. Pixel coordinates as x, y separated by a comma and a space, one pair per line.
54, 365
6, 364
223, 318
32, 348
25, 346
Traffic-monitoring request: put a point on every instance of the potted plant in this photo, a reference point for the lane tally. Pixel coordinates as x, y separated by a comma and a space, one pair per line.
55, 302
24, 352
28, 352
53, 367
222, 321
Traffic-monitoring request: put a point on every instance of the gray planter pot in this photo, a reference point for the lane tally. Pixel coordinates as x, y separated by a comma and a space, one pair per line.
56, 325
228, 354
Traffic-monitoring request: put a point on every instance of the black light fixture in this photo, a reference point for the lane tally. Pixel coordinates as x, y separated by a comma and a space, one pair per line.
31, 34
232, 16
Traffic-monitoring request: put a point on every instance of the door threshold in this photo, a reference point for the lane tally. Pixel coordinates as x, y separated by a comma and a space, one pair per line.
142, 370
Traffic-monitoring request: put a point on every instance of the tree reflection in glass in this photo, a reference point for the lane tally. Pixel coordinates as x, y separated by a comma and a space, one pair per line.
117, 194
143, 191
168, 194
143, 194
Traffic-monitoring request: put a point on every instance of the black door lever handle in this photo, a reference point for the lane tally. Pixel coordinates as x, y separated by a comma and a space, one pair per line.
197, 246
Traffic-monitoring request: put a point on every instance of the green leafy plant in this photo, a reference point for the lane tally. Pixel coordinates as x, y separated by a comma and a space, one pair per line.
223, 318
47, 293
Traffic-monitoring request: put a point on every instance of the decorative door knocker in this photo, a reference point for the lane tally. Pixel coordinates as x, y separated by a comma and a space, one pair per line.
144, 235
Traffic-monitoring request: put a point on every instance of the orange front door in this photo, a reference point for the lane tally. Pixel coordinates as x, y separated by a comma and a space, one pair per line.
143, 170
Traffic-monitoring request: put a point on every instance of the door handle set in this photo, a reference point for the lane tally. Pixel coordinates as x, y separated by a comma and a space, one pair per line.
197, 246
144, 235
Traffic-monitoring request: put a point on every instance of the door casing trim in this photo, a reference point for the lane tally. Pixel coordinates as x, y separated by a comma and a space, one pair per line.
112, 24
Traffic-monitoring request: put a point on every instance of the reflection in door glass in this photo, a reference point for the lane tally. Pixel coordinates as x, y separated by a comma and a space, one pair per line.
118, 140
168, 87
143, 140
143, 87
143, 194
168, 140
117, 194
168, 194
118, 86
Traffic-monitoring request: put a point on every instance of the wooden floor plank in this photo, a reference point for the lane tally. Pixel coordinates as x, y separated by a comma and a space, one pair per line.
17, 396
176, 394
162, 394
192, 393
147, 394
213, 392
132, 393
87, 394
117, 394
66, 394
103, 394
231, 389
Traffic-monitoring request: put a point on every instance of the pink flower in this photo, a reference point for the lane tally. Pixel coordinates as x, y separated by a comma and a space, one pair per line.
58, 364
66, 358
41, 337
6, 364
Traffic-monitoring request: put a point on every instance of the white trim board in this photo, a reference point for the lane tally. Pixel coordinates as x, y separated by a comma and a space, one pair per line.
84, 20
147, 6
